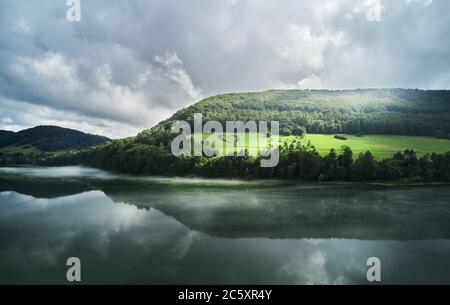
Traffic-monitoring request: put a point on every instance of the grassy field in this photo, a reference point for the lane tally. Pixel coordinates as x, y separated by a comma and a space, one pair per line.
381, 146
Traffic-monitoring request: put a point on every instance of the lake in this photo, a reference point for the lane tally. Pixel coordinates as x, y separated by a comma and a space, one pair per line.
198, 231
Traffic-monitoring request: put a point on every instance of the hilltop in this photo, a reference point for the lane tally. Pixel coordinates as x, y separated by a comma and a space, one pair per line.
48, 139
30, 145
367, 111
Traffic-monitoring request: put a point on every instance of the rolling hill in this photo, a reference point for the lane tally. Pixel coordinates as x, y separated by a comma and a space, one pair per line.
368, 111
374, 116
47, 139
6, 137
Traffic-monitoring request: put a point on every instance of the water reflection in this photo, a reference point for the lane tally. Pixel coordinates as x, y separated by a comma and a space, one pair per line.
129, 230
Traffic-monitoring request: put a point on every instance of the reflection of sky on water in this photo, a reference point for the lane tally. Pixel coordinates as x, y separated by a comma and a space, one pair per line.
87, 172
67, 171
119, 243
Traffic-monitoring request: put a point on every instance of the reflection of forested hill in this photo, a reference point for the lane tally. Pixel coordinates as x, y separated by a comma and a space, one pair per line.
311, 212
290, 212
42, 187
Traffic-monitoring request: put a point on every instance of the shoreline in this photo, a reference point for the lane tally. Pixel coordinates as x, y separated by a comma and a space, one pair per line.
268, 180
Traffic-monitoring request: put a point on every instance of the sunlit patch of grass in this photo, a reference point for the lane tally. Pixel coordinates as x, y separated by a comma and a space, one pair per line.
381, 146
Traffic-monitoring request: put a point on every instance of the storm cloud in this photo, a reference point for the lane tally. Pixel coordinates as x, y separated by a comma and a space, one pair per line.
129, 64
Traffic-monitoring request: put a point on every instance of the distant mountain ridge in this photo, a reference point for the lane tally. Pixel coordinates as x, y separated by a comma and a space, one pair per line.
50, 139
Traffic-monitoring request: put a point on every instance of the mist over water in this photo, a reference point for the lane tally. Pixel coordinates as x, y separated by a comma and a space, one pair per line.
198, 231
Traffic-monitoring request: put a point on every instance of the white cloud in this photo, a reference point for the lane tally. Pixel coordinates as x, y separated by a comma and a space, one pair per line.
301, 48
311, 82
424, 2
177, 74
91, 89
18, 115
22, 25
134, 63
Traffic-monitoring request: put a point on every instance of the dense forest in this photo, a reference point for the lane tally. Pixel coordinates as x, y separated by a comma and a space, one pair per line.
6, 137
368, 111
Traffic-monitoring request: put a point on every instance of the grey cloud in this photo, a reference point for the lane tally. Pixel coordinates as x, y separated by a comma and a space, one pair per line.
134, 63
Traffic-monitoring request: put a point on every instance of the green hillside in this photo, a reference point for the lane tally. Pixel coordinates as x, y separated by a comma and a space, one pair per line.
370, 111
393, 123
49, 139
381, 146
28, 145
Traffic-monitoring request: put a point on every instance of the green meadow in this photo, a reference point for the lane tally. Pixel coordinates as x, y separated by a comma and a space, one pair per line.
381, 146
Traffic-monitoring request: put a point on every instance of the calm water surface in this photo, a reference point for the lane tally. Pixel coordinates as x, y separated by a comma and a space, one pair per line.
197, 231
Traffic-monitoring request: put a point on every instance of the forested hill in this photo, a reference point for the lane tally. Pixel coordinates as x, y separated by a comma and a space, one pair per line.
49, 139
6, 137
367, 111
393, 112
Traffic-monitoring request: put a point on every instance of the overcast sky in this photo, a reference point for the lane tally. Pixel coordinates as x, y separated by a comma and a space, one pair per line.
128, 64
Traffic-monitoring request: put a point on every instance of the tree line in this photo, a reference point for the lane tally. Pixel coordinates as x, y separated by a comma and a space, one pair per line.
297, 161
